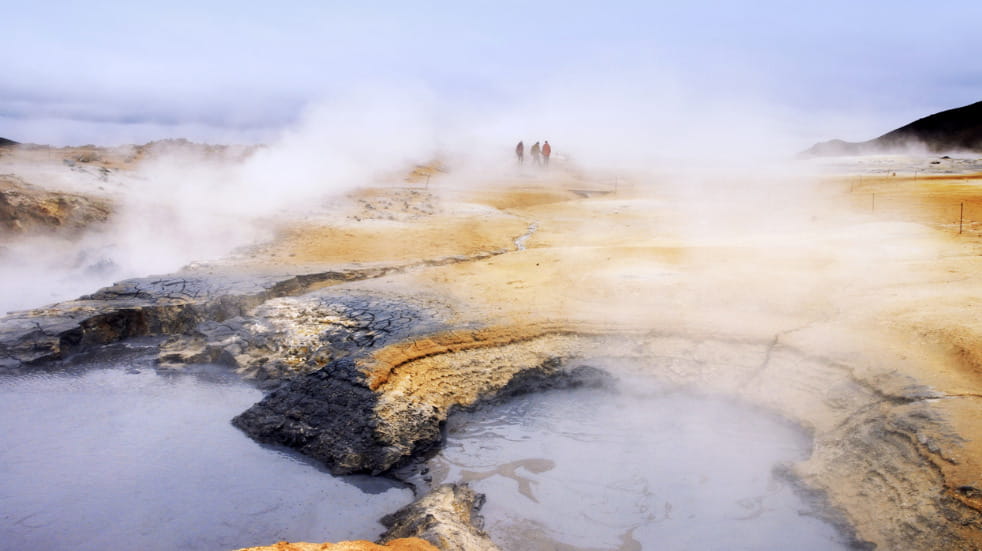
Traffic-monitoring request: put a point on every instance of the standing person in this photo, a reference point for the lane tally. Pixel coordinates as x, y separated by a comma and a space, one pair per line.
546, 151
520, 152
535, 153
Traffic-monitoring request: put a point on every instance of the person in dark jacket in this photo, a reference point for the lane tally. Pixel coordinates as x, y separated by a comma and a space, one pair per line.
536, 151
520, 152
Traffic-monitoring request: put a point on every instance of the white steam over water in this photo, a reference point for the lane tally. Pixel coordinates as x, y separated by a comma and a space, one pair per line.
587, 469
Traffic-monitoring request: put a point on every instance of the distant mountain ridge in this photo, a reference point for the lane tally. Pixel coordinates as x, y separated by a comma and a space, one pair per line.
957, 129
4, 142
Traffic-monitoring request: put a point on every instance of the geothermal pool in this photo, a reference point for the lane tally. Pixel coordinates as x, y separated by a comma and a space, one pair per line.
119, 456
645, 469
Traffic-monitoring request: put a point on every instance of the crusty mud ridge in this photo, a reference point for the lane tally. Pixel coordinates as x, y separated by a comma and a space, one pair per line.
851, 324
447, 519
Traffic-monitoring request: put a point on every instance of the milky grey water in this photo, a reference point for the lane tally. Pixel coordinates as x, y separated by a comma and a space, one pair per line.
118, 457
591, 469
122, 456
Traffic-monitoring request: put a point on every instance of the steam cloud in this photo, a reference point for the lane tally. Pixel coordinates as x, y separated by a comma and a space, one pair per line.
183, 207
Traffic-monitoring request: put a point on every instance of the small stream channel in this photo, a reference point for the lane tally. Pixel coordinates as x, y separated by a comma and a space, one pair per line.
594, 469
119, 456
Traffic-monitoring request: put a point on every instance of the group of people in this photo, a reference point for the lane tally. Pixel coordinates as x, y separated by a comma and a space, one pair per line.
540, 154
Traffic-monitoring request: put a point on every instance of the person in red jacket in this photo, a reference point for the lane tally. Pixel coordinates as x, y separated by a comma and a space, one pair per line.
546, 151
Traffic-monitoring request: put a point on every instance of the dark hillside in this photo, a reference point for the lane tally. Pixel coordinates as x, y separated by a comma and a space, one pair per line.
952, 130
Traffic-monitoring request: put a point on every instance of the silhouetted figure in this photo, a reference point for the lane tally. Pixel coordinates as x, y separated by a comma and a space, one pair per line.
520, 152
536, 151
546, 151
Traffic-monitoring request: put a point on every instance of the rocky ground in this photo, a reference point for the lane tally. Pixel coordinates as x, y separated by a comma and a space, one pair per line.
844, 301
26, 209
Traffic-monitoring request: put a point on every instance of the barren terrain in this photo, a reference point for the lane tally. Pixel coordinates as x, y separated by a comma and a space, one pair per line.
858, 320
847, 302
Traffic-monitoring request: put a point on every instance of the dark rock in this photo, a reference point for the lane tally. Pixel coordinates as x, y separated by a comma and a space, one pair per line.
328, 415
334, 417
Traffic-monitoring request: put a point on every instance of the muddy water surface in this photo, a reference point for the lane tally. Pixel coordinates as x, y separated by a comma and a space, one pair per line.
122, 457
590, 469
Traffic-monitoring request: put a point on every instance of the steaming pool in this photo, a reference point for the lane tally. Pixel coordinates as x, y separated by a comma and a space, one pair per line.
119, 455
594, 469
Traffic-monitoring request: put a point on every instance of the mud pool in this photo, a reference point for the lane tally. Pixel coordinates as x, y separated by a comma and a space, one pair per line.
591, 469
120, 456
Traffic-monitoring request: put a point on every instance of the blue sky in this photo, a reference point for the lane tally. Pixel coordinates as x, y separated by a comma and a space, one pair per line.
108, 72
